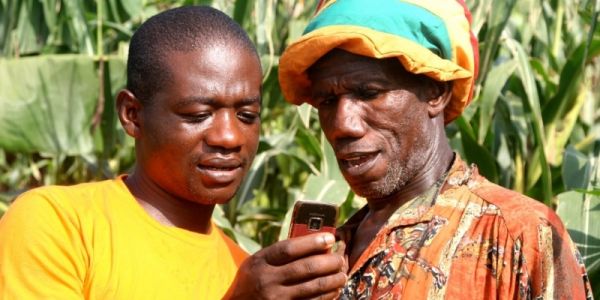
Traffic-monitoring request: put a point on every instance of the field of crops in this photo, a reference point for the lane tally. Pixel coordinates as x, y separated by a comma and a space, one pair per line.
534, 125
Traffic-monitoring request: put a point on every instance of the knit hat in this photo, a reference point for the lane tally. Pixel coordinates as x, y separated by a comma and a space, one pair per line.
429, 37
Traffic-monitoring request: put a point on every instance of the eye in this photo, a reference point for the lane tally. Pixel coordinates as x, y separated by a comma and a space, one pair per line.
365, 93
327, 100
249, 117
196, 117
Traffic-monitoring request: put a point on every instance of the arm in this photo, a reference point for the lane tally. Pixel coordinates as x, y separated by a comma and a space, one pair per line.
41, 254
294, 268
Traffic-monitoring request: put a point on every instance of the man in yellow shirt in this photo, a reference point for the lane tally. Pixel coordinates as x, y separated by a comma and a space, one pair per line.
192, 104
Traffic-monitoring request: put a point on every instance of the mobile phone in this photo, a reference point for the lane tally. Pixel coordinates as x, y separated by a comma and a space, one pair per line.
311, 217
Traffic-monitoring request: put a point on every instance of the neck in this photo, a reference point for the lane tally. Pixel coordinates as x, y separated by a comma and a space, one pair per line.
169, 209
439, 160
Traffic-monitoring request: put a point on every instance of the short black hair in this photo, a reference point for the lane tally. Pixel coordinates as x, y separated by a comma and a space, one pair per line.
183, 29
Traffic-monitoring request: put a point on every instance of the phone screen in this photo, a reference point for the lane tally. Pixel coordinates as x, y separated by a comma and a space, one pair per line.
311, 217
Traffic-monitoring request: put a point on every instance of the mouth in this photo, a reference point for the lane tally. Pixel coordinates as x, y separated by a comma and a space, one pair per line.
357, 160
219, 171
217, 168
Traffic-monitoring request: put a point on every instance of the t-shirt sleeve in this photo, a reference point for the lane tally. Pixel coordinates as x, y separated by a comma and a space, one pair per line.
237, 253
41, 252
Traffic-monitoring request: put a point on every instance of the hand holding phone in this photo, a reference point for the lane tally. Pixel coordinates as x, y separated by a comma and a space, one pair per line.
311, 217
302, 267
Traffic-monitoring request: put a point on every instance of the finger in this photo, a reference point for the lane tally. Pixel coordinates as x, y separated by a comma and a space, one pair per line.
340, 249
292, 249
311, 267
318, 287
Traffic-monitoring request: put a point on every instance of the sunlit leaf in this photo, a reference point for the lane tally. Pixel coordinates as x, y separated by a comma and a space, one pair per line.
491, 91
132, 7
580, 213
47, 104
243, 241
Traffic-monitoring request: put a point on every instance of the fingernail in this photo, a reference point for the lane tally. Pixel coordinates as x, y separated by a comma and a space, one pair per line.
328, 239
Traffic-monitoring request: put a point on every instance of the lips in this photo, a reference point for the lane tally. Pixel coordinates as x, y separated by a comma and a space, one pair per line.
357, 163
220, 171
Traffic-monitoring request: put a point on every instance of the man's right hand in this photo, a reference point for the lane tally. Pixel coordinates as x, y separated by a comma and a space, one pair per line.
300, 267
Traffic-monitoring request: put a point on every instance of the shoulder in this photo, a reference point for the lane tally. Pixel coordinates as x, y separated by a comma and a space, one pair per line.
526, 236
520, 213
525, 221
237, 253
78, 194
60, 204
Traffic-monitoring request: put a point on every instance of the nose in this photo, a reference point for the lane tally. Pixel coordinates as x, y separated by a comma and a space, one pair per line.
346, 121
225, 131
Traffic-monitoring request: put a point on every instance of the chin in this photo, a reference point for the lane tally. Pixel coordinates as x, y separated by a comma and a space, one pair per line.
208, 197
389, 185
368, 191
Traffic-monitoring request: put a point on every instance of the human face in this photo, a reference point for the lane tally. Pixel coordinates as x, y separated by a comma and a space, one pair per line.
199, 133
371, 113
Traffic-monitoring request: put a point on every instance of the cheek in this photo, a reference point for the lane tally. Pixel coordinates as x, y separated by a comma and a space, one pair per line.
173, 139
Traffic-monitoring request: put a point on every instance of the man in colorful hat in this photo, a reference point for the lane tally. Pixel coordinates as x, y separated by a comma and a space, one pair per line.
385, 77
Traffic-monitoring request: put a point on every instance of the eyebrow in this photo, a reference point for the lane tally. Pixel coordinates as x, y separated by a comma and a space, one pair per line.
355, 84
213, 102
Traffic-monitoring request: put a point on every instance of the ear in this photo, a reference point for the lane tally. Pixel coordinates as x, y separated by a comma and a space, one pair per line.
128, 109
439, 98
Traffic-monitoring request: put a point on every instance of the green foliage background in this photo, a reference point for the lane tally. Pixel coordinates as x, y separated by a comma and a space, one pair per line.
533, 126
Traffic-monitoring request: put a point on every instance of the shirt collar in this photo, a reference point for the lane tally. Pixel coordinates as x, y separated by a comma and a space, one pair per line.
419, 209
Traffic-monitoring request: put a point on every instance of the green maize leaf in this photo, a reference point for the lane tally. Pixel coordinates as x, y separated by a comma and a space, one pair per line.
328, 186
256, 175
253, 179
241, 10
548, 86
285, 225
580, 208
532, 103
561, 130
475, 153
570, 79
25, 38
327, 190
491, 92
499, 13
113, 78
78, 27
576, 169
47, 104
305, 111
243, 241
132, 7
112, 8
50, 16
329, 166
308, 143
580, 213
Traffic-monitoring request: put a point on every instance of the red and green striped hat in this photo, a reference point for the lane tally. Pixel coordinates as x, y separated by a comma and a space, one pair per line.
430, 37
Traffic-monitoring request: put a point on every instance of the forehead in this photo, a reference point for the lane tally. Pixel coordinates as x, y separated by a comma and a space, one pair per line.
340, 63
213, 59
216, 71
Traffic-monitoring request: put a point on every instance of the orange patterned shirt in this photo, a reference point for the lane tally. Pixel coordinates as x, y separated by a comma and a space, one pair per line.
467, 238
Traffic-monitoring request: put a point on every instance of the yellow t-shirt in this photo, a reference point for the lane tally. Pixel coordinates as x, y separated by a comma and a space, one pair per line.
94, 241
